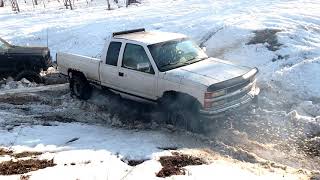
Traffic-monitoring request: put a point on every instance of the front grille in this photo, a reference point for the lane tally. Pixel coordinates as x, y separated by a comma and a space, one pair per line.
233, 99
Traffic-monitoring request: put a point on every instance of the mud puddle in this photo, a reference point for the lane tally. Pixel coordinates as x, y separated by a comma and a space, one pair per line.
173, 165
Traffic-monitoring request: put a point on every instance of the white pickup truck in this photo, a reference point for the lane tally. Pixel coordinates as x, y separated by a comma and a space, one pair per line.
164, 68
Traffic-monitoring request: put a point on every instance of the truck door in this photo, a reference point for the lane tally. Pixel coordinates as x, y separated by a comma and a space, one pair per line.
109, 68
136, 74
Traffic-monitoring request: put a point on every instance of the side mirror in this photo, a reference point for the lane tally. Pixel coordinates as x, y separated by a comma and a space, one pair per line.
204, 48
144, 67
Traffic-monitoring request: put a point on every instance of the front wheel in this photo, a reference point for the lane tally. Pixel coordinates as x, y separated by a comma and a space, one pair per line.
183, 114
80, 87
185, 119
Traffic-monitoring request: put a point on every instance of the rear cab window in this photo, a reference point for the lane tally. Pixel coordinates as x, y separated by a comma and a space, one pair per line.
113, 53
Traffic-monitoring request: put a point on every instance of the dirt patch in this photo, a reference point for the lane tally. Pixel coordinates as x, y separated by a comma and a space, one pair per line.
173, 165
311, 147
268, 36
269, 165
168, 148
315, 176
19, 155
24, 166
57, 118
133, 162
25, 177
26, 154
5, 152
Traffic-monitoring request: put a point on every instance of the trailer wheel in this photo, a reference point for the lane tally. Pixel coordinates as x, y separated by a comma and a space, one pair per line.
80, 87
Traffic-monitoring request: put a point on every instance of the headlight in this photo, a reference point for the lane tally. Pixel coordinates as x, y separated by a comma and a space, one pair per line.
219, 93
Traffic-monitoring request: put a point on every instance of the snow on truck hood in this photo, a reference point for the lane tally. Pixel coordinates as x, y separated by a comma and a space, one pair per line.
208, 72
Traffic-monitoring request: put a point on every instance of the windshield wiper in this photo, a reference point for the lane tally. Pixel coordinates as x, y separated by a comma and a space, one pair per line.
170, 64
178, 63
194, 60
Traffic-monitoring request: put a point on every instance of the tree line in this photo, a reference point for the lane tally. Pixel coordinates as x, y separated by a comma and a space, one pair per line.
69, 4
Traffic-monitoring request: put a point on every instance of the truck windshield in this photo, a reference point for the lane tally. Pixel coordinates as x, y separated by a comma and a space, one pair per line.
173, 54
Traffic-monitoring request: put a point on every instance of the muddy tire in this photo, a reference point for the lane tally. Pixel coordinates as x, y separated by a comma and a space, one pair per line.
30, 76
80, 87
182, 114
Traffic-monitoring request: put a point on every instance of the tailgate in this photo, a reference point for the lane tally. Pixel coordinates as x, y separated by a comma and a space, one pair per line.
87, 65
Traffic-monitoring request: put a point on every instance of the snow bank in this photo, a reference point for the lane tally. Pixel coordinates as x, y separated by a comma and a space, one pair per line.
9, 83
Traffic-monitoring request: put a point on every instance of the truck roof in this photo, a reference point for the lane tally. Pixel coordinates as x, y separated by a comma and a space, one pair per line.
150, 37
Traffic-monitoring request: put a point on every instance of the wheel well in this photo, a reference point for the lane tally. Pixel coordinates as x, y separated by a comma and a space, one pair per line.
183, 98
72, 72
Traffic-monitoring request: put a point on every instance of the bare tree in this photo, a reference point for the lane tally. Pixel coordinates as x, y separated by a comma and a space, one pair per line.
128, 2
15, 5
68, 3
1, 3
109, 7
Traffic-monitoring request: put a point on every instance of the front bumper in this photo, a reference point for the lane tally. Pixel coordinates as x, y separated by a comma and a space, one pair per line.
241, 102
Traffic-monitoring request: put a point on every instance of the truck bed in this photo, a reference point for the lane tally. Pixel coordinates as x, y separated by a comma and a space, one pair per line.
87, 65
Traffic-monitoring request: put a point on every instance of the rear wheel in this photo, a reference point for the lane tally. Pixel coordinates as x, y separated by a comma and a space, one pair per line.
80, 87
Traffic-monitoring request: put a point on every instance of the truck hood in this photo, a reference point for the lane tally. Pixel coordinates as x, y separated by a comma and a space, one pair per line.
38, 51
208, 72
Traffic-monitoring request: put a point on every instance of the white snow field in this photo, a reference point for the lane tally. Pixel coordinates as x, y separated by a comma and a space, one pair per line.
277, 140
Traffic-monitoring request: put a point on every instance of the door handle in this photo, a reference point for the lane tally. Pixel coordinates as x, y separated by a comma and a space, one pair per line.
121, 74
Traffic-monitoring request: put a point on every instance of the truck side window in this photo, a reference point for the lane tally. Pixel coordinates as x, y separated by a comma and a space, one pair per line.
136, 58
113, 53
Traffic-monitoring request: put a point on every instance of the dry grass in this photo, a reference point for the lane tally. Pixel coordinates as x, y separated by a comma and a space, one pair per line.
24, 166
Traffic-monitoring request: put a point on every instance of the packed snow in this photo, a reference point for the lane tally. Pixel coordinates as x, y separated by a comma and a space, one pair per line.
9, 83
281, 38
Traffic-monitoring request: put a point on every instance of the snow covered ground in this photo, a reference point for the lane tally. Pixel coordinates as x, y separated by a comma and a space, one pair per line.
288, 114
78, 136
